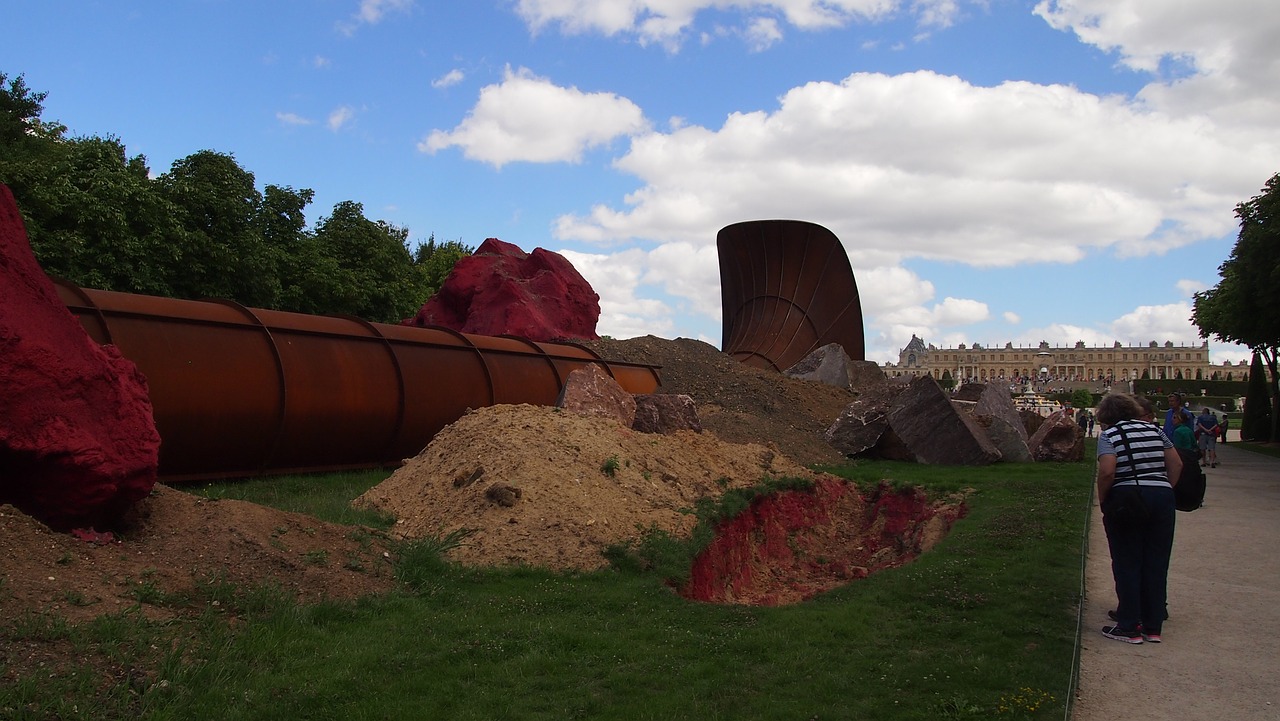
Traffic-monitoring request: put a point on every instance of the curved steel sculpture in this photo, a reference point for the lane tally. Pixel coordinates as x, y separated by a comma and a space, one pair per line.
242, 391
787, 289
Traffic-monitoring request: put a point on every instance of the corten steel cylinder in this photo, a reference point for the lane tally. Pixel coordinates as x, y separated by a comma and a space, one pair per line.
241, 391
787, 289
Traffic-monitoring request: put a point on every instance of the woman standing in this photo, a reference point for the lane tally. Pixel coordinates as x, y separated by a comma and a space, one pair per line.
1137, 467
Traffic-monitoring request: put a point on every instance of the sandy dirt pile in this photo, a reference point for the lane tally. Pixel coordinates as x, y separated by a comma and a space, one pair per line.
174, 541
544, 487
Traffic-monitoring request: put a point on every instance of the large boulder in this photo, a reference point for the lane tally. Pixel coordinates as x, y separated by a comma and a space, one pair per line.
935, 431
1057, 439
862, 423
830, 364
995, 400
666, 413
501, 290
589, 391
78, 445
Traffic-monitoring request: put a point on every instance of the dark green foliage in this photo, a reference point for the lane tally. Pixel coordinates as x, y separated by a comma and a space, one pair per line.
435, 261
202, 230
1241, 308
1255, 424
1081, 398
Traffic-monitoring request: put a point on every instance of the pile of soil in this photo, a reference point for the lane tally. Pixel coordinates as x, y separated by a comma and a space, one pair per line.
537, 486
757, 423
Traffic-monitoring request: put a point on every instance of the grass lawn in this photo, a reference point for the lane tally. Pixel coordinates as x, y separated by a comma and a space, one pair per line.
984, 626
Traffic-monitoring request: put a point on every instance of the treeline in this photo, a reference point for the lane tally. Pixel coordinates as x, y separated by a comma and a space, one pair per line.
97, 218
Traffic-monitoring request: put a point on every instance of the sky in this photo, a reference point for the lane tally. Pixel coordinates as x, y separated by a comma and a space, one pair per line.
999, 171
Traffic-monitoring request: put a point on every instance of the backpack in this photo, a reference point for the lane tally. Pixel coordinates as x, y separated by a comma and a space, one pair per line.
1188, 495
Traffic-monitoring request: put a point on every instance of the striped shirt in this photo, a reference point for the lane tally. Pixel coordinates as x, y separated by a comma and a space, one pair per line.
1139, 450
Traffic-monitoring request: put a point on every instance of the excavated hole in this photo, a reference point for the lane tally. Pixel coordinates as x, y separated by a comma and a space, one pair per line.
790, 546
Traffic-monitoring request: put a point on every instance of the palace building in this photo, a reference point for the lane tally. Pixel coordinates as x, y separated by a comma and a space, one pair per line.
1076, 364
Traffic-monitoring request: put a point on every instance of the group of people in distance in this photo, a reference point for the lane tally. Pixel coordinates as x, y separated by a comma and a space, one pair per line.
1139, 464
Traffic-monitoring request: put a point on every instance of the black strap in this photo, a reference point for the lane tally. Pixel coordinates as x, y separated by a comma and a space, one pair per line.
1128, 449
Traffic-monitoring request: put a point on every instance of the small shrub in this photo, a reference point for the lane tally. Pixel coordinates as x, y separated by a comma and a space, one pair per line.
610, 466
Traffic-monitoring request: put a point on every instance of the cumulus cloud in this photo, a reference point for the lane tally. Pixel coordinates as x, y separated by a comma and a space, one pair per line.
665, 22
449, 79
528, 118
762, 33
1191, 287
371, 12
340, 117
292, 119
1012, 318
990, 176
617, 278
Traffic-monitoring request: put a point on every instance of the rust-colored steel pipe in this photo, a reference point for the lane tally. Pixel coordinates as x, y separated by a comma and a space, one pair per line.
242, 391
787, 289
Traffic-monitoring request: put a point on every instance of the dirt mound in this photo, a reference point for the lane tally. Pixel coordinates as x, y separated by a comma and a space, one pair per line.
543, 487
173, 542
739, 403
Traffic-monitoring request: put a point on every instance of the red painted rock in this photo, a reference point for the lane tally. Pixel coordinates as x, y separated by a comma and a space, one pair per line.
78, 445
589, 391
501, 290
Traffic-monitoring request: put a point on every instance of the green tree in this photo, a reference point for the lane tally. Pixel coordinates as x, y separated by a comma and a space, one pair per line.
1255, 424
947, 381
1081, 398
223, 254
376, 278
21, 128
435, 261
1241, 308
95, 217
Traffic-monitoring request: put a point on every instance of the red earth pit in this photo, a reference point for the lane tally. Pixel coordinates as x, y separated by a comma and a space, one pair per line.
790, 546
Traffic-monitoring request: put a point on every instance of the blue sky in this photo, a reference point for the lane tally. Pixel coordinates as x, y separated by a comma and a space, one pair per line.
999, 171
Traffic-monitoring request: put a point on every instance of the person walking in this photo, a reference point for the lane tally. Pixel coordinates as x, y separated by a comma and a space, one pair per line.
1137, 469
1176, 408
1207, 431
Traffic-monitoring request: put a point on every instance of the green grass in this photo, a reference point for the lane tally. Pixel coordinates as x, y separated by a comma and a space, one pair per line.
982, 627
1266, 449
326, 496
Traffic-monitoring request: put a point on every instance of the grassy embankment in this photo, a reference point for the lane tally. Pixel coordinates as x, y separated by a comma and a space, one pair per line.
982, 627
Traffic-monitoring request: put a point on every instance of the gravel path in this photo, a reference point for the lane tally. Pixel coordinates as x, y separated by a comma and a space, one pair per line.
1221, 653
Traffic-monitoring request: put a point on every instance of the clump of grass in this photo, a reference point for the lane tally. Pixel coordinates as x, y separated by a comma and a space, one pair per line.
420, 562
318, 557
610, 466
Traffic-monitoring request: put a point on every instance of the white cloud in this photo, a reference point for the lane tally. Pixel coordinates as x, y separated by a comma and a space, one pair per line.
449, 79
1190, 287
762, 33
1011, 318
1154, 322
320, 61
665, 22
371, 12
1222, 53
292, 119
988, 176
340, 117
529, 118
617, 279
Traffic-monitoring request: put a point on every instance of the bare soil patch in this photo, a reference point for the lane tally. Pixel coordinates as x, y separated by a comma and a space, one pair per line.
758, 423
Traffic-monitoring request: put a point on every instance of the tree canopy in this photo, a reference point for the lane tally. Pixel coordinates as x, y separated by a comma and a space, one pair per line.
97, 217
1242, 307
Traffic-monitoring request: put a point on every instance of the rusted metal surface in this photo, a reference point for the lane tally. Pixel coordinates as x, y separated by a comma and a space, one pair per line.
242, 391
787, 289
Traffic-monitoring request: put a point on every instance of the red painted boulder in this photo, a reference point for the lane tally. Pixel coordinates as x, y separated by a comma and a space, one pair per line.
78, 444
501, 290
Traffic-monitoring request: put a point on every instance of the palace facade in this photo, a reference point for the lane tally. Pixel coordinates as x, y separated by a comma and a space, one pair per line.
1045, 363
